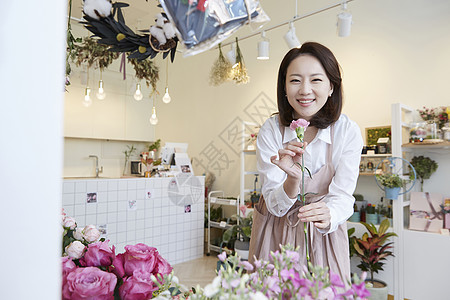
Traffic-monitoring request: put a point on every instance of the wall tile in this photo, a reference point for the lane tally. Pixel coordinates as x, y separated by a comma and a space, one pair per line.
68, 187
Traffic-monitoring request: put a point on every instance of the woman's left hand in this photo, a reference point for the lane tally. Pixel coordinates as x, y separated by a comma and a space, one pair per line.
317, 212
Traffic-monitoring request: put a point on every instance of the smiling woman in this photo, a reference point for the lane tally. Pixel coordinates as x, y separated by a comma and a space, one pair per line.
293, 207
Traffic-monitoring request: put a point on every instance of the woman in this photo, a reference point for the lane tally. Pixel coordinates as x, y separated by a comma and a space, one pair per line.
309, 87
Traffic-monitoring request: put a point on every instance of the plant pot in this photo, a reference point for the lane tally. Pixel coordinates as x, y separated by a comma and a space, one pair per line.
392, 193
355, 217
379, 291
372, 218
241, 249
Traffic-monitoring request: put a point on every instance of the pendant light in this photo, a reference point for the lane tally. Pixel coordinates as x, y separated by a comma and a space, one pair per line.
138, 94
87, 101
101, 91
153, 119
166, 98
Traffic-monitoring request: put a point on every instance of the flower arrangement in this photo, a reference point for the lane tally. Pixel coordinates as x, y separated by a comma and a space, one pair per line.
92, 270
438, 115
299, 126
280, 278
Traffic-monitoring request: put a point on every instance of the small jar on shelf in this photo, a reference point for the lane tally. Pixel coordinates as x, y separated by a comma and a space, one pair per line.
418, 132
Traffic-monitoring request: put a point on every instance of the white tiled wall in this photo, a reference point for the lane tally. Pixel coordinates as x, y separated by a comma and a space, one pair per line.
157, 222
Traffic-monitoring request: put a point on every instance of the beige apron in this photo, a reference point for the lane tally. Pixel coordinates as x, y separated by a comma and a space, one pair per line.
269, 231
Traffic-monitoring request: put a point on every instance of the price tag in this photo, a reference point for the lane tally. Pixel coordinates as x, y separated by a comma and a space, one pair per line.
223, 224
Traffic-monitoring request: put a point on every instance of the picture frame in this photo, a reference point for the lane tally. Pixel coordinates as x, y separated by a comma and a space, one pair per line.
374, 133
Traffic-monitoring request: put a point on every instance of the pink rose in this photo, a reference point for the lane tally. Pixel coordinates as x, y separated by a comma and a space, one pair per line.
139, 257
118, 263
162, 266
137, 287
98, 254
78, 234
69, 222
89, 283
67, 266
91, 233
75, 249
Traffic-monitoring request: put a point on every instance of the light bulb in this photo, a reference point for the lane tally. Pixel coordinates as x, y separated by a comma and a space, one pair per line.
87, 97
138, 94
101, 92
153, 118
166, 98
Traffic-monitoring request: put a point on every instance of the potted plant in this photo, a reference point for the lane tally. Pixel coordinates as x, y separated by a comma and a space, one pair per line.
392, 184
373, 250
240, 233
424, 166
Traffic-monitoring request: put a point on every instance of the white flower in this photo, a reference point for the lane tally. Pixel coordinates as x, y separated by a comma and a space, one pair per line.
97, 8
69, 222
78, 234
175, 280
91, 233
75, 249
213, 288
258, 296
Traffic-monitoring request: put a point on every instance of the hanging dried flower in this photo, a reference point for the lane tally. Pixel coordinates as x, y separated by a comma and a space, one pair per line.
220, 71
93, 54
239, 70
146, 69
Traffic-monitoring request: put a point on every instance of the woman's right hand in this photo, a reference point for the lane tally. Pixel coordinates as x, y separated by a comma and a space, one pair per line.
290, 159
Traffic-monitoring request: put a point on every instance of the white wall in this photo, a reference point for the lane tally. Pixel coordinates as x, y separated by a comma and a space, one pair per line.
32, 82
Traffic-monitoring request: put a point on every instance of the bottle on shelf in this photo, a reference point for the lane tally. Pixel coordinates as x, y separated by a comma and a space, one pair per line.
362, 214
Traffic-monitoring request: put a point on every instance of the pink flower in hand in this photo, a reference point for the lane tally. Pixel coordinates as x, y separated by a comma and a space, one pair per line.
98, 254
89, 283
299, 126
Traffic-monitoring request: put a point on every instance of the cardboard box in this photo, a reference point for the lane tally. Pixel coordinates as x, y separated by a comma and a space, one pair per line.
425, 212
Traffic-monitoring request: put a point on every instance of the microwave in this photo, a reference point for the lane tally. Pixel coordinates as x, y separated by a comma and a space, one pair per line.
136, 167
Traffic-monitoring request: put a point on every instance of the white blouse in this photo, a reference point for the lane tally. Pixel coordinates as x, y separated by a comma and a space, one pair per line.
347, 146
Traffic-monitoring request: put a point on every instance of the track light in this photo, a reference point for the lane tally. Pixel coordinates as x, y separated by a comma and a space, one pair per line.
291, 38
263, 47
344, 23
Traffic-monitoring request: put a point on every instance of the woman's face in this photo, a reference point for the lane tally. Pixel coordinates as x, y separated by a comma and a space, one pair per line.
307, 86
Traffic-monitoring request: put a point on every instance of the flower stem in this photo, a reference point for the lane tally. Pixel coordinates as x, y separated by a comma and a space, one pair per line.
305, 231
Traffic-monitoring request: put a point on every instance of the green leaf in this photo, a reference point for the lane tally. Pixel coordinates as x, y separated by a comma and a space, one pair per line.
309, 172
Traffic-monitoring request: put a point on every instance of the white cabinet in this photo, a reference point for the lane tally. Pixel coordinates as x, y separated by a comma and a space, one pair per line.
218, 198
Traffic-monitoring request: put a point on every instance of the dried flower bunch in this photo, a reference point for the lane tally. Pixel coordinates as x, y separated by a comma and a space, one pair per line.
147, 70
239, 71
438, 115
221, 70
92, 54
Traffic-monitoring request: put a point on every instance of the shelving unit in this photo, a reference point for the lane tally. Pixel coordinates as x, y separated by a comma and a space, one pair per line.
218, 198
244, 172
416, 252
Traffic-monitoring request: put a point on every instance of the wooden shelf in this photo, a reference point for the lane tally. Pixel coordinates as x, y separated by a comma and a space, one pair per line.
376, 155
441, 145
366, 173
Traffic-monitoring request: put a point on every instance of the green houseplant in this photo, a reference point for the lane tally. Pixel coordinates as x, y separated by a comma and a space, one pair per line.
392, 184
373, 251
240, 233
424, 166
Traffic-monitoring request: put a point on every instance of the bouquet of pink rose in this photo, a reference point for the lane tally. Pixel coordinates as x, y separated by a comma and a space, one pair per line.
92, 270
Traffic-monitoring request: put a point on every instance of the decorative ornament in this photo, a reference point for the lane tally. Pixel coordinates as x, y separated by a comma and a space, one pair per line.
92, 54
221, 70
147, 70
121, 38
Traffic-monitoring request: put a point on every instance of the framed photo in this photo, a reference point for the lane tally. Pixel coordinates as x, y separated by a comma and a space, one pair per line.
374, 133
